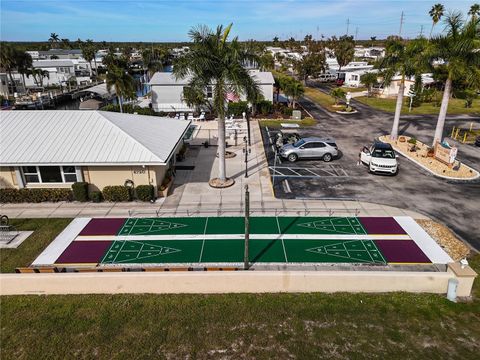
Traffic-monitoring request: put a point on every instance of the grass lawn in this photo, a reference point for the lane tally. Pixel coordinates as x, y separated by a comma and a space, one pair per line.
277, 123
324, 100
354, 89
260, 326
455, 106
45, 230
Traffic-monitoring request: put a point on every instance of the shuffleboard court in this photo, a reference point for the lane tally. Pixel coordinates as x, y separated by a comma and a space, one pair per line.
236, 225
232, 251
220, 240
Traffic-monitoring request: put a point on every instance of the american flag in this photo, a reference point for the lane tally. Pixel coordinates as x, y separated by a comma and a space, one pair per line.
231, 96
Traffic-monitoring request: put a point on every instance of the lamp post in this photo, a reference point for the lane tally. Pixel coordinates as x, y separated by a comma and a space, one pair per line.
246, 151
246, 262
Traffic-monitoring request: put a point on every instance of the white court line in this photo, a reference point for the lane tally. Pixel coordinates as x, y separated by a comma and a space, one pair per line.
429, 246
53, 251
242, 236
203, 243
283, 244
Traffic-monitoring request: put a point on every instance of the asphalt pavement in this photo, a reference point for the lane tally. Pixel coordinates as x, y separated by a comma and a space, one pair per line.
452, 203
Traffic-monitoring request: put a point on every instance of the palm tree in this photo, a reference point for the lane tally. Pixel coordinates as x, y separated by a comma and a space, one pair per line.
403, 61
338, 94
123, 83
24, 63
8, 63
474, 11
38, 75
93, 52
369, 79
88, 54
54, 40
294, 90
65, 43
436, 13
213, 59
458, 48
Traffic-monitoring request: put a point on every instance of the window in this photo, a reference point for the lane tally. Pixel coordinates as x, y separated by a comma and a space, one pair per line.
209, 92
69, 173
354, 77
49, 174
31, 174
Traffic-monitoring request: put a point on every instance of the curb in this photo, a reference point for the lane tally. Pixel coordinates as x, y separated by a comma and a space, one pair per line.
437, 175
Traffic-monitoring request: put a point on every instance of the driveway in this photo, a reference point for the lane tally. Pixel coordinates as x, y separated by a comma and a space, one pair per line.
455, 204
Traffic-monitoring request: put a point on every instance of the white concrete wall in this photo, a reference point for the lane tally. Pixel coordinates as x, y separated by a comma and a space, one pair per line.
225, 282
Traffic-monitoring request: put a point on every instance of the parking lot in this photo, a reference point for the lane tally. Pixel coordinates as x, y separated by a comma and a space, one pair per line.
453, 203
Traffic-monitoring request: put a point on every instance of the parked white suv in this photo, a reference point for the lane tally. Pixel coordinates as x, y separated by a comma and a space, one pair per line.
380, 158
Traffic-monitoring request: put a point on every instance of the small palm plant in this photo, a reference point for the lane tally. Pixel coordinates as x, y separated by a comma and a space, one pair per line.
338, 94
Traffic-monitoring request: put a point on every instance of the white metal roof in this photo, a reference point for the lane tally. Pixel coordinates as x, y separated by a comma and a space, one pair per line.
168, 78
52, 63
82, 137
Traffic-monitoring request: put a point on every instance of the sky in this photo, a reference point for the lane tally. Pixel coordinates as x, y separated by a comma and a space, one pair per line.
166, 21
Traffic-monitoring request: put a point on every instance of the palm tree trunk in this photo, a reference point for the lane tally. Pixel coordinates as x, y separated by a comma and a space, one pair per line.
443, 112
96, 68
24, 84
90, 63
431, 30
398, 109
14, 86
120, 103
222, 172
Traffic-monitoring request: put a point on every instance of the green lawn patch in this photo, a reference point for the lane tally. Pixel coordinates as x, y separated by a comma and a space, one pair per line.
277, 123
455, 106
322, 99
354, 89
260, 326
45, 230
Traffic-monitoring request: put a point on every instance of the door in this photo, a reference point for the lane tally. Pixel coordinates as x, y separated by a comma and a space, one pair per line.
318, 149
365, 156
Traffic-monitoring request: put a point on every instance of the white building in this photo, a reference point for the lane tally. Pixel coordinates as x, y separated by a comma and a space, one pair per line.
392, 89
55, 148
167, 91
372, 52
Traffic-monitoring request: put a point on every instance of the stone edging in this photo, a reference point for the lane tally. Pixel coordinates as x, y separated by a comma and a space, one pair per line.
435, 174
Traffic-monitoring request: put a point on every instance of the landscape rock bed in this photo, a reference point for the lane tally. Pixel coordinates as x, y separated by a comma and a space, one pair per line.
457, 171
445, 238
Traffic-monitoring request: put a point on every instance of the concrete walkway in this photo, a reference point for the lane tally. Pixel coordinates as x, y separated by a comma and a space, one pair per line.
193, 196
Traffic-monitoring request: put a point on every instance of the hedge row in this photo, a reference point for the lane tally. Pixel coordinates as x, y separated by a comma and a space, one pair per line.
119, 193
35, 195
116, 193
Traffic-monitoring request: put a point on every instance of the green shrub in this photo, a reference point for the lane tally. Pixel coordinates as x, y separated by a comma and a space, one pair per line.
265, 107
144, 192
287, 111
96, 196
80, 191
34, 195
116, 193
237, 108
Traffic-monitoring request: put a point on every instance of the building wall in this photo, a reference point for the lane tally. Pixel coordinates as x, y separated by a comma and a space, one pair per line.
7, 177
97, 176
101, 176
165, 95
